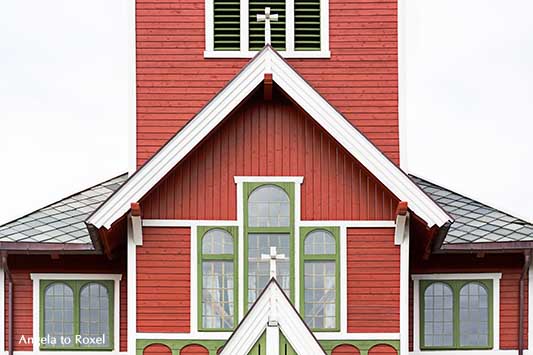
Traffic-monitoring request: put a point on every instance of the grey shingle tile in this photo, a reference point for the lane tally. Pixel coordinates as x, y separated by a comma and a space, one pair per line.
62, 221
476, 222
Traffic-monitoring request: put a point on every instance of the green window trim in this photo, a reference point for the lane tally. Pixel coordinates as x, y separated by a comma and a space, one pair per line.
456, 286
335, 231
248, 188
201, 232
76, 286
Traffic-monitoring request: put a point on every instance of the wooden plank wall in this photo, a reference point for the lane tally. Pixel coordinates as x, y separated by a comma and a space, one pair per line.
270, 139
174, 80
163, 281
373, 281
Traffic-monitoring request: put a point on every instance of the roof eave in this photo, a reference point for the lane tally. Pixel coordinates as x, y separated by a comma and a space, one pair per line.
47, 248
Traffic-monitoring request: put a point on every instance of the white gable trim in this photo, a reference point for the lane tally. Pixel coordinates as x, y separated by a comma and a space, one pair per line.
272, 310
268, 61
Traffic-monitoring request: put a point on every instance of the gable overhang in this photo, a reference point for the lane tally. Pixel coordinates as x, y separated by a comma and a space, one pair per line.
272, 308
268, 61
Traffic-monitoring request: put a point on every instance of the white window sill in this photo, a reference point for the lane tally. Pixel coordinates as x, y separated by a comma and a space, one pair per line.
241, 54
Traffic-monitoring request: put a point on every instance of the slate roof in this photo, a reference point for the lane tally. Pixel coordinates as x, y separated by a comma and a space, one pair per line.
63, 221
476, 222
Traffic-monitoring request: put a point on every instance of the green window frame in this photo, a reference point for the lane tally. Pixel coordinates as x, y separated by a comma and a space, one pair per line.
77, 286
202, 231
312, 258
248, 189
456, 286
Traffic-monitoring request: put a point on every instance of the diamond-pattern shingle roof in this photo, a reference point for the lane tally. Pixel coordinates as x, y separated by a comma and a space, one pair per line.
476, 222
63, 221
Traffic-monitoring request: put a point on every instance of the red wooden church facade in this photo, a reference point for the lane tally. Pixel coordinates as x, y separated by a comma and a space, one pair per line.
320, 133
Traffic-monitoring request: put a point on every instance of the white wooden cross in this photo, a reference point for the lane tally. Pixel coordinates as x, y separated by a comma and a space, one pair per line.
273, 257
267, 17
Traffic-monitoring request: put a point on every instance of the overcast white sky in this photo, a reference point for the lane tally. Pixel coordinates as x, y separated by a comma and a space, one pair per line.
64, 84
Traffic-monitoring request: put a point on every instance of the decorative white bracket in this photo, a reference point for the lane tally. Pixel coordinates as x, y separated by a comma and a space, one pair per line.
136, 224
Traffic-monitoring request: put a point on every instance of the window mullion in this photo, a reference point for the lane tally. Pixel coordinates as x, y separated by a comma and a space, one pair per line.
289, 25
76, 287
244, 25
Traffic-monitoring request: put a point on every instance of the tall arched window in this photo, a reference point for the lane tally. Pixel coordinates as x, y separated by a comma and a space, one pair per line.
438, 315
94, 312
217, 278
59, 311
268, 223
320, 265
474, 315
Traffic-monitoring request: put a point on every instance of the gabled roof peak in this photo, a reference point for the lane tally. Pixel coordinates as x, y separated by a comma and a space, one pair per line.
268, 61
274, 313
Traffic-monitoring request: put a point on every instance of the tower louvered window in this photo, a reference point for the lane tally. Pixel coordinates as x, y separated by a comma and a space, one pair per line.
257, 29
299, 31
307, 25
227, 25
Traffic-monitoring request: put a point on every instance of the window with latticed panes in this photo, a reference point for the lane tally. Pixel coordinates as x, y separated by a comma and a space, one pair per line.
217, 277
77, 314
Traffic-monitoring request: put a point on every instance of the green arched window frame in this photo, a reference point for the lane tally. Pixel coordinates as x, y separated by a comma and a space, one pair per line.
248, 189
76, 286
314, 258
202, 231
456, 286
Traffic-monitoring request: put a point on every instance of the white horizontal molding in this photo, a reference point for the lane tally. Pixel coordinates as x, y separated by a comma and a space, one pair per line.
226, 335
250, 54
294, 179
58, 276
459, 276
63, 352
187, 223
467, 352
356, 336
349, 224
185, 336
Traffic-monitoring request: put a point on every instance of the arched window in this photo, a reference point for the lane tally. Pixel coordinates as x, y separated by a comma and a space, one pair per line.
77, 314
94, 313
59, 311
218, 292
320, 272
456, 314
438, 315
268, 223
269, 206
474, 315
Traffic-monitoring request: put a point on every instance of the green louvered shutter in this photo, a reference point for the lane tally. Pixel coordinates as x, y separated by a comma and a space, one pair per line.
307, 25
227, 26
257, 29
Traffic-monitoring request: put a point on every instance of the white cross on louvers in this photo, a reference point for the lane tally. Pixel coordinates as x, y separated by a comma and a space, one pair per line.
267, 17
273, 257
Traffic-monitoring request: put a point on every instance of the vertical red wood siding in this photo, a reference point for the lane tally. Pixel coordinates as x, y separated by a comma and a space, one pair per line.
373, 281
163, 280
509, 265
270, 139
23, 310
174, 80
22, 266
